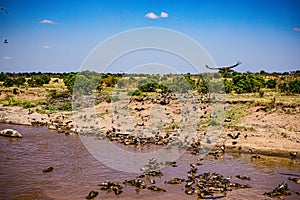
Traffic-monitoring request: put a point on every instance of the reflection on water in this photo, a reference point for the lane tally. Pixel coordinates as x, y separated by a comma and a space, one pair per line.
76, 172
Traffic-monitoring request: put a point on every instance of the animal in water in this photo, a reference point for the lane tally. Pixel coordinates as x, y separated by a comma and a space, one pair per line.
296, 180
174, 181
293, 154
111, 186
279, 191
251, 150
92, 194
226, 68
155, 188
234, 136
256, 157
243, 177
48, 169
223, 148
4, 10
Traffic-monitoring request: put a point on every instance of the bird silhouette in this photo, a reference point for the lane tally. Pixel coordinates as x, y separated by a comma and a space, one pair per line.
234, 136
5, 41
4, 10
224, 68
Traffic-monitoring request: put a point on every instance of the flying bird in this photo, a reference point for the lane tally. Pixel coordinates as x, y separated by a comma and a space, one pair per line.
224, 68
4, 10
5, 41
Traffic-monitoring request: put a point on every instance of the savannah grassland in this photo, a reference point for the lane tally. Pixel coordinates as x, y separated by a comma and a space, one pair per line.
263, 107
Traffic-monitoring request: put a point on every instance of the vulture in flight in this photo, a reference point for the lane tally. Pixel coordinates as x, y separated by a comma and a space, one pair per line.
4, 10
224, 68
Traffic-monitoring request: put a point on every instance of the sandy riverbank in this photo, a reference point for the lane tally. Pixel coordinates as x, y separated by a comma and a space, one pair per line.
273, 132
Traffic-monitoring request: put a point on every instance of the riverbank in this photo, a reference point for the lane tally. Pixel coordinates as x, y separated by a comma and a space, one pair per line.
272, 132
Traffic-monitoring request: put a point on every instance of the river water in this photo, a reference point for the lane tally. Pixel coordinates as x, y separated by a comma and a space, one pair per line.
76, 171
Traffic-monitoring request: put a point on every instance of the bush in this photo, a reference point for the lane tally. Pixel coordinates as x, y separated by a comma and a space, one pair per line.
247, 83
83, 85
3, 76
135, 93
108, 99
15, 91
67, 106
179, 84
291, 87
28, 104
121, 83
40, 80
228, 85
294, 86
148, 85
69, 81
19, 81
271, 83
8, 82
261, 93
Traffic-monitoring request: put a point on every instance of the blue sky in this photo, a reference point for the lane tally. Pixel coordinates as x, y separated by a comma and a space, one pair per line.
56, 36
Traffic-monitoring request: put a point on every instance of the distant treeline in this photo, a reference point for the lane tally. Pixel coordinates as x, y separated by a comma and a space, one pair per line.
88, 81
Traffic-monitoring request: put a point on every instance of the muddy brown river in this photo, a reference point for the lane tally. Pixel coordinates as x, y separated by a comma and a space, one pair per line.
76, 171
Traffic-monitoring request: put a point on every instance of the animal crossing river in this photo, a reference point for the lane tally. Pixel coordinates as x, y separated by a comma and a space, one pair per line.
76, 172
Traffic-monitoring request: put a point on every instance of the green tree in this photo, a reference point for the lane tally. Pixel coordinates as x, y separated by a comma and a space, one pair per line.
148, 85
271, 83
294, 86
69, 81
8, 82
179, 84
19, 81
228, 85
3, 76
83, 85
121, 83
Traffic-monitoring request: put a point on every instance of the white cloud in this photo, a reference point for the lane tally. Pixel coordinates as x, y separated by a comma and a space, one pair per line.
47, 21
151, 15
296, 29
6, 58
45, 47
164, 14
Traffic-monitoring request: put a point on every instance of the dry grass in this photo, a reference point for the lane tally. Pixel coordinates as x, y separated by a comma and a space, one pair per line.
280, 98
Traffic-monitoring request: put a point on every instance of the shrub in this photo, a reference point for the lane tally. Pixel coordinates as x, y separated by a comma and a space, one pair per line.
291, 87
15, 91
135, 93
148, 85
271, 83
8, 82
3, 76
108, 99
67, 106
261, 93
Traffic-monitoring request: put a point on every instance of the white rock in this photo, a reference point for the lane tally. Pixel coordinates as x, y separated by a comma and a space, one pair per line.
10, 133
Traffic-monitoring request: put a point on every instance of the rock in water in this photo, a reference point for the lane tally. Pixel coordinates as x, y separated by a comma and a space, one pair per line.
92, 194
48, 169
10, 133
